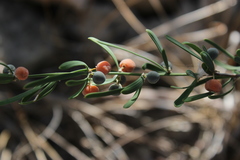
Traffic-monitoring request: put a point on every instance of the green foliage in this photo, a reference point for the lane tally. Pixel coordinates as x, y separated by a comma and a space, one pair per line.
45, 83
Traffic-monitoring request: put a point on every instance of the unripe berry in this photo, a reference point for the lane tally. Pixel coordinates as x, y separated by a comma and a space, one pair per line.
21, 73
104, 67
114, 86
153, 77
7, 71
169, 65
90, 89
213, 85
127, 65
98, 77
213, 52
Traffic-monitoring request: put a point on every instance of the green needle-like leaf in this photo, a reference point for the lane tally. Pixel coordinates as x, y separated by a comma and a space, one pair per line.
102, 94
191, 73
152, 67
159, 46
220, 48
226, 66
79, 91
42, 93
20, 96
179, 102
197, 97
53, 78
155, 40
133, 86
221, 95
193, 46
75, 82
207, 60
183, 47
6, 78
176, 87
70, 64
133, 99
107, 49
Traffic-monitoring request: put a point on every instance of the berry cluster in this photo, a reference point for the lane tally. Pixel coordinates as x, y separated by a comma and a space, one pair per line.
102, 69
213, 80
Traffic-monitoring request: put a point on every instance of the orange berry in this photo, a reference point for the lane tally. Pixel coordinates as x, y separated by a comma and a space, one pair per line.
21, 73
104, 67
127, 65
90, 89
213, 85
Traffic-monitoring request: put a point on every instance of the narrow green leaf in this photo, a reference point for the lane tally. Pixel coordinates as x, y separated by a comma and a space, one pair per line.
204, 48
133, 99
155, 40
26, 100
191, 73
152, 67
193, 46
227, 82
208, 61
107, 49
164, 56
176, 87
79, 91
183, 47
197, 97
47, 90
206, 69
42, 93
70, 64
75, 82
53, 78
219, 48
180, 100
133, 86
226, 66
6, 78
159, 46
105, 93
47, 74
20, 96
221, 95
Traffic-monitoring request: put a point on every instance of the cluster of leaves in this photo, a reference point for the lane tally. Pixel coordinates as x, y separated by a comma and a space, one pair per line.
46, 83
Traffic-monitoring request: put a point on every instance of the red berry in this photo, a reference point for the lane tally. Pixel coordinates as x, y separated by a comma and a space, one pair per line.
213, 85
127, 65
104, 67
21, 73
90, 89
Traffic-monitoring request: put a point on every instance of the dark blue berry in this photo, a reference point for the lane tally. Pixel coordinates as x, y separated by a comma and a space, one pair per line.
113, 87
7, 71
153, 77
98, 77
213, 52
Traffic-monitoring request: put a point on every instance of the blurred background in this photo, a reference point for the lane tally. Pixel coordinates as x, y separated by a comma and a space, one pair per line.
42, 34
